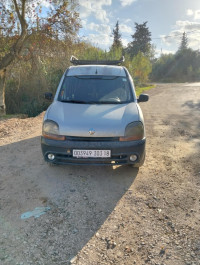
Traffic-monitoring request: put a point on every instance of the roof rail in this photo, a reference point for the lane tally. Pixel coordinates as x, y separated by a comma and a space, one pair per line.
76, 61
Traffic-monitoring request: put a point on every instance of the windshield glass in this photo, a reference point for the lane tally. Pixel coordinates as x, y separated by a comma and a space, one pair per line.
96, 90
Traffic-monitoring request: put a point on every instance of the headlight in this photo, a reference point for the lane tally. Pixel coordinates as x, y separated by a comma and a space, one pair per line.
50, 127
134, 131
50, 130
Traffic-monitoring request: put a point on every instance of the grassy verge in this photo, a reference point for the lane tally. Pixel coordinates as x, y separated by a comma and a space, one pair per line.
10, 116
140, 90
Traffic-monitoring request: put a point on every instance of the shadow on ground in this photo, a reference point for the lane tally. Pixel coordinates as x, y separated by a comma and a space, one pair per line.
80, 197
193, 106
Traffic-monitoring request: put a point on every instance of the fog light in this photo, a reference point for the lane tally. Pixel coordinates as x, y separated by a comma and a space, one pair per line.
133, 158
51, 157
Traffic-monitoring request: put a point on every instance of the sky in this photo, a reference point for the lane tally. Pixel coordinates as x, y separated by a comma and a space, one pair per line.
167, 20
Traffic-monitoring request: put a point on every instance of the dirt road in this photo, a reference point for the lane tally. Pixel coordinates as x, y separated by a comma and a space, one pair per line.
106, 215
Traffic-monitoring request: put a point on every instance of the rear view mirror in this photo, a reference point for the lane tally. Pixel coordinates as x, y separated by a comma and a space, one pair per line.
143, 98
48, 96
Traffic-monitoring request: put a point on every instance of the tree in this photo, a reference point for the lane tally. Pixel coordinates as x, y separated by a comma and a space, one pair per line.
184, 43
141, 40
141, 68
28, 78
117, 42
183, 66
163, 68
21, 20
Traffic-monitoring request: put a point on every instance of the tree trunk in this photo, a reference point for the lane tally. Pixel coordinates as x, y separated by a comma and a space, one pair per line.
2, 91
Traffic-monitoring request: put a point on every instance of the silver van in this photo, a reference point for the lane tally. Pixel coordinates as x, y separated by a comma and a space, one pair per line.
94, 117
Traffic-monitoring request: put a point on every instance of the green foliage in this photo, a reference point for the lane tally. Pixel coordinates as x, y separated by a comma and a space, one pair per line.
29, 78
141, 68
140, 90
184, 66
44, 61
92, 53
141, 40
62, 18
53, 78
26, 39
184, 43
117, 42
115, 53
26, 97
11, 116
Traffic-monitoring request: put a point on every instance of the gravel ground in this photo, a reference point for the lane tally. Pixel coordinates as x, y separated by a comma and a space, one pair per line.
106, 215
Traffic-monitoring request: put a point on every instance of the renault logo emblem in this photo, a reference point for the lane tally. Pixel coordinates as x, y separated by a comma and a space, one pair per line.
91, 131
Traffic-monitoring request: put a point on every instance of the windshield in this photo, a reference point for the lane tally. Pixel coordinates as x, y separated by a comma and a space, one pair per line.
96, 90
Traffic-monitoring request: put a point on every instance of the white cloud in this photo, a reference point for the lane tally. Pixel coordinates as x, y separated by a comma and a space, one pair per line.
125, 29
192, 30
127, 2
184, 25
158, 52
84, 22
197, 14
172, 39
104, 38
102, 16
190, 12
164, 51
127, 20
125, 42
85, 10
102, 41
46, 4
92, 7
100, 28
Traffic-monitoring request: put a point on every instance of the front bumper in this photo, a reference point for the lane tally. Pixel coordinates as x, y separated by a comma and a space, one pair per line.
120, 151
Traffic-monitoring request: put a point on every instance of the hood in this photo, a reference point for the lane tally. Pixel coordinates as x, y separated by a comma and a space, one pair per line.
108, 120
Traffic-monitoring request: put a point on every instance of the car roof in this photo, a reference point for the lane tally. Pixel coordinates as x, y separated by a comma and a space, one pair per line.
109, 70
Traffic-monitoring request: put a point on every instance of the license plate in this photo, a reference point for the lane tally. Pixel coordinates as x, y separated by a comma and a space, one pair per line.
91, 153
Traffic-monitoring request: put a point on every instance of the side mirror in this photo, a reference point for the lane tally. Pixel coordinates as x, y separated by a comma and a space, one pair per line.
143, 98
48, 96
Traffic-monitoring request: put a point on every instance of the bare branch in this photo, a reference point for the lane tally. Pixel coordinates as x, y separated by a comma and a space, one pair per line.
23, 8
17, 10
21, 16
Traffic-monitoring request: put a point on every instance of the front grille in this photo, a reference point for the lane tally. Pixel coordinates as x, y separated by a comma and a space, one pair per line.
93, 139
114, 159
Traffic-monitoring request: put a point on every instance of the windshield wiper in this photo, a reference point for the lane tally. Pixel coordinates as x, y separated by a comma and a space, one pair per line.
93, 102
112, 102
74, 101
